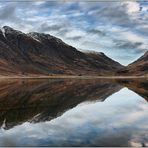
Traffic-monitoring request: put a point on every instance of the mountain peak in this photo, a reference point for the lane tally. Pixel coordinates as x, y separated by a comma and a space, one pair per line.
7, 27
10, 30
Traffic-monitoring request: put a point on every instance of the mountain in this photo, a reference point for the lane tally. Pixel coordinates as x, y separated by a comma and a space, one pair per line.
138, 67
42, 54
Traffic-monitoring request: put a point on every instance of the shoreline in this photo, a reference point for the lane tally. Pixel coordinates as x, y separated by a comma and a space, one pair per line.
73, 77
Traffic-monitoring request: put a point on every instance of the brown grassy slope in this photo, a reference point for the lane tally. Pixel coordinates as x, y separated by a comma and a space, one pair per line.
137, 68
43, 54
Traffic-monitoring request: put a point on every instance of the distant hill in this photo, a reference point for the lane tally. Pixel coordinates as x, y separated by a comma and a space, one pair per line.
42, 54
137, 68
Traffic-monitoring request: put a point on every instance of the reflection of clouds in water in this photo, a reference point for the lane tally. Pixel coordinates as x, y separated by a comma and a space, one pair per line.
121, 120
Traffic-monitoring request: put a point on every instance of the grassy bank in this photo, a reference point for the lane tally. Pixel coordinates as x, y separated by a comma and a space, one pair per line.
72, 77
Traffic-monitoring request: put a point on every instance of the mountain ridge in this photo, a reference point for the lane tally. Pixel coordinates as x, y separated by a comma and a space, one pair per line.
138, 67
43, 54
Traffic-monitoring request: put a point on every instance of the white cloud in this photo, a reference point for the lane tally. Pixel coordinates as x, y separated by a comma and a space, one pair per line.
132, 6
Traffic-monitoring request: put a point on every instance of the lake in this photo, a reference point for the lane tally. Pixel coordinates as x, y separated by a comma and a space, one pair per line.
74, 112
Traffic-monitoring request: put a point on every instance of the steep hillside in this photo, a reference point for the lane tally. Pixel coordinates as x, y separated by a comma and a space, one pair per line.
139, 67
43, 54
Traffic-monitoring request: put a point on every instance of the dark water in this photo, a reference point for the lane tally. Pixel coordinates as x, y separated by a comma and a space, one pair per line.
74, 112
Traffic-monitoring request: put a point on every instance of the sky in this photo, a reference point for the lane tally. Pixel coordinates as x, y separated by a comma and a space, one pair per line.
117, 28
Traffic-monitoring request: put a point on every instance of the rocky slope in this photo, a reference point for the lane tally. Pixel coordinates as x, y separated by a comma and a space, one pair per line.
43, 54
139, 67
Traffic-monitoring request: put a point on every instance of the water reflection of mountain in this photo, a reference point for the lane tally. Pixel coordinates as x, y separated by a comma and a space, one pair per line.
40, 100
139, 86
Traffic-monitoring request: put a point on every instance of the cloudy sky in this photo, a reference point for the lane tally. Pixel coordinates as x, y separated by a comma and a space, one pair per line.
119, 29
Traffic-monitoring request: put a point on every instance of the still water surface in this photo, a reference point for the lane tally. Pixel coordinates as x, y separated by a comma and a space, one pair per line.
74, 113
